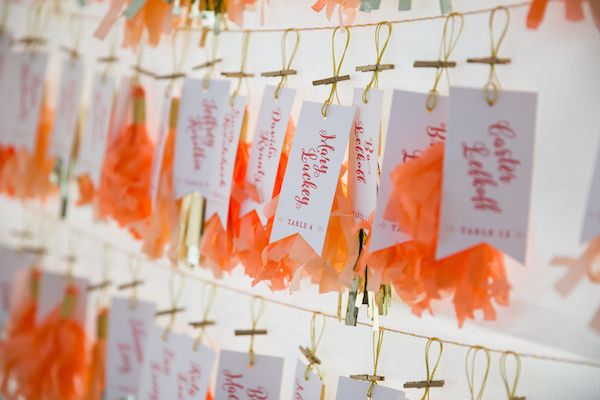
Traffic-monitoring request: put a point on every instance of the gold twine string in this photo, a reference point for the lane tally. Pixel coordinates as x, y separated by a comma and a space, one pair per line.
134, 265
377, 343
177, 60
245, 45
35, 25
449, 40
431, 373
315, 340
256, 312
470, 370
175, 296
209, 296
76, 29
139, 59
379, 50
333, 94
285, 63
111, 54
105, 272
492, 86
211, 57
511, 391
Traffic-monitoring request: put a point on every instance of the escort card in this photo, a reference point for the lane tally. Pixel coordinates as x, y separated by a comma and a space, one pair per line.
121, 109
95, 134
236, 379
350, 389
267, 145
52, 292
128, 331
412, 128
591, 224
488, 164
225, 151
312, 174
193, 370
363, 156
11, 261
200, 113
306, 389
67, 111
159, 146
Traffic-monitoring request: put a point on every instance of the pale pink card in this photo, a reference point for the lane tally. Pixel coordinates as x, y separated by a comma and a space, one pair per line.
350, 389
11, 261
95, 134
121, 109
159, 146
591, 224
193, 370
227, 139
312, 174
411, 129
303, 388
363, 155
236, 379
200, 113
128, 329
267, 144
488, 164
68, 101
52, 291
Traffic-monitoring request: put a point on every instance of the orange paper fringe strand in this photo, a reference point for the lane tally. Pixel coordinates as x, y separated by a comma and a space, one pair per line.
96, 380
475, 278
87, 191
155, 17
347, 9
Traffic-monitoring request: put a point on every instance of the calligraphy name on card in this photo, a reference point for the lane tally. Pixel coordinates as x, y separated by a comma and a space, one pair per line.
350, 389
95, 134
169, 105
363, 157
129, 326
67, 111
52, 290
237, 380
411, 129
267, 144
312, 174
193, 370
11, 261
225, 151
200, 114
303, 388
591, 225
488, 163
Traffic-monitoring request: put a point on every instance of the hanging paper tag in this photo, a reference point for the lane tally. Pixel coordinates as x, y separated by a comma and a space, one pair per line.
11, 261
488, 164
312, 174
67, 111
225, 151
363, 157
128, 330
194, 371
591, 225
121, 109
350, 389
52, 291
22, 102
306, 389
200, 113
159, 147
411, 129
95, 135
236, 379
267, 145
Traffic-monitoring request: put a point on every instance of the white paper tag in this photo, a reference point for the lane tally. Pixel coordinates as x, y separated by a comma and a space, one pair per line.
128, 330
122, 108
267, 145
95, 134
350, 389
5, 54
488, 164
11, 261
237, 380
304, 389
363, 154
312, 174
225, 151
23, 99
193, 371
591, 224
52, 292
159, 147
68, 101
200, 113
411, 129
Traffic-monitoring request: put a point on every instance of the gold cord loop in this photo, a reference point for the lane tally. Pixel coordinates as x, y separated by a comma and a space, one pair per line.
492, 87
209, 295
510, 390
178, 60
175, 295
285, 63
242, 72
431, 373
333, 94
470, 370
134, 265
257, 308
377, 343
315, 340
211, 56
379, 50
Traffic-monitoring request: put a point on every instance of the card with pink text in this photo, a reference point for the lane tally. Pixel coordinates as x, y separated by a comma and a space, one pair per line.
236, 379
488, 164
11, 261
193, 370
591, 224
200, 113
225, 150
312, 174
129, 327
306, 386
411, 129
267, 144
67, 110
350, 389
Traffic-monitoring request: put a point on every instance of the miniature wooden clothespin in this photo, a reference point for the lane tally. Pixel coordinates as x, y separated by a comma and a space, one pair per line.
286, 65
175, 295
207, 64
511, 390
377, 67
255, 314
470, 360
134, 269
429, 383
374, 378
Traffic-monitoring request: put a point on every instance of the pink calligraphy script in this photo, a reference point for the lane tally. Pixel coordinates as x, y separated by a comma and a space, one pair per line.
31, 84
228, 136
266, 147
500, 132
200, 129
364, 153
298, 390
158, 369
232, 386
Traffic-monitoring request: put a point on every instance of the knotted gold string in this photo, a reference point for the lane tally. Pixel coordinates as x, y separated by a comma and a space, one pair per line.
285, 63
511, 392
450, 36
431, 374
374, 82
177, 60
134, 266
315, 340
470, 370
36, 23
111, 54
256, 313
377, 343
209, 296
336, 70
175, 295
211, 57
493, 84
245, 44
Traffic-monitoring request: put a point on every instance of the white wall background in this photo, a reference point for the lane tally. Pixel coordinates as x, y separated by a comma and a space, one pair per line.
561, 61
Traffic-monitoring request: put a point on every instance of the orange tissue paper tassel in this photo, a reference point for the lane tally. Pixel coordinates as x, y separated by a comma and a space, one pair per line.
95, 378
7, 156
475, 278
124, 192
87, 191
155, 18
347, 9
574, 12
